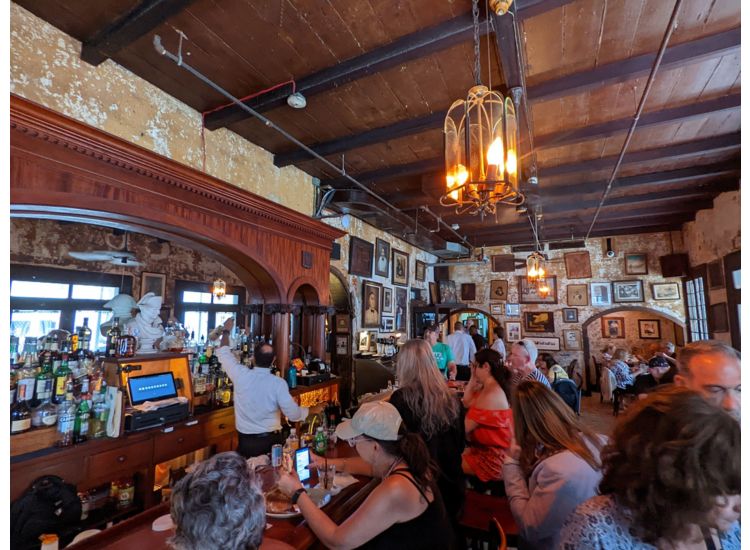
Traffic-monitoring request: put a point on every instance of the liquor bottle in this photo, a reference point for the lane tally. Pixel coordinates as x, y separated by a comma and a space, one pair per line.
45, 414
20, 414
113, 338
13, 350
62, 374
98, 423
26, 377
53, 346
44, 382
81, 424
29, 355
84, 335
66, 418
13, 384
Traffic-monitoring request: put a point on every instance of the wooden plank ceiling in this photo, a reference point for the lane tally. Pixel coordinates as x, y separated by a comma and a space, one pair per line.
379, 76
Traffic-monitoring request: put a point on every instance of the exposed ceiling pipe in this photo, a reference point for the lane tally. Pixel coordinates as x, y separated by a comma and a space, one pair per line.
657, 62
181, 63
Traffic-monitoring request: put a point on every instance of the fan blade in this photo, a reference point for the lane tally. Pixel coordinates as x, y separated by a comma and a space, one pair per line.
94, 256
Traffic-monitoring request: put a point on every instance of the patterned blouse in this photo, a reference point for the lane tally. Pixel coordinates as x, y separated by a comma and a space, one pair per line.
599, 524
622, 374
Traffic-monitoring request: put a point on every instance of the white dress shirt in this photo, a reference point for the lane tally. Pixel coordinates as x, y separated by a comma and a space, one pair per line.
462, 346
258, 396
499, 346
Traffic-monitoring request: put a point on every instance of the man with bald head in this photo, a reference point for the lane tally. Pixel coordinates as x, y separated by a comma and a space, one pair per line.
712, 368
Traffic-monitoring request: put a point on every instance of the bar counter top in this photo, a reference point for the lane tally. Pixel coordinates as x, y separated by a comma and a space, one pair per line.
136, 532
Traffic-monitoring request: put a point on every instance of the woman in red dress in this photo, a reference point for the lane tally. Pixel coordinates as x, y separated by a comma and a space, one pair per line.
489, 421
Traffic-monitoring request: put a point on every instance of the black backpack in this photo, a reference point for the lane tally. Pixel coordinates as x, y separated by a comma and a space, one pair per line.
49, 506
569, 392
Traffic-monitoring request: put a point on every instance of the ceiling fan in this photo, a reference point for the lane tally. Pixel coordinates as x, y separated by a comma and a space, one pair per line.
123, 258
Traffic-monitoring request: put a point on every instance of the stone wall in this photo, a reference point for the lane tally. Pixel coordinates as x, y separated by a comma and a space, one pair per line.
47, 243
632, 340
715, 232
603, 269
46, 68
363, 230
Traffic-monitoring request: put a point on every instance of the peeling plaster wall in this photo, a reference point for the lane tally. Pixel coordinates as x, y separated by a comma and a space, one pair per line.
363, 230
47, 243
603, 269
715, 232
45, 67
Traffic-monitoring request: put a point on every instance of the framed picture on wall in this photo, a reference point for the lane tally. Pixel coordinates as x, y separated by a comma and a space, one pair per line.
613, 327
649, 329
539, 321
503, 263
373, 341
363, 341
570, 315
572, 339
666, 291
371, 302
578, 295
496, 309
434, 296
601, 294
360, 257
400, 272
342, 323
447, 290
512, 331
342, 344
420, 270
153, 282
627, 291
546, 343
636, 263
498, 290
468, 292
387, 299
578, 265
528, 294
715, 272
400, 311
382, 257
513, 310
387, 324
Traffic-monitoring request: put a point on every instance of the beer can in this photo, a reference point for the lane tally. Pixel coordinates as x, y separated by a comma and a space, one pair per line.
276, 456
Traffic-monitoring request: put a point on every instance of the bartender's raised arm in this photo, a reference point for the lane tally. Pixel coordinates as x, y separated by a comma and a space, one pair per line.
227, 359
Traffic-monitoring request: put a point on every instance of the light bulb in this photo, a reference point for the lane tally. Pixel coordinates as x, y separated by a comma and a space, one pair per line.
495, 153
512, 164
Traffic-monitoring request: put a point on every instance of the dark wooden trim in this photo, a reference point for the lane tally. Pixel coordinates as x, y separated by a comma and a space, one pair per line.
399, 129
140, 20
654, 179
698, 147
402, 50
733, 261
714, 45
612, 127
532, 8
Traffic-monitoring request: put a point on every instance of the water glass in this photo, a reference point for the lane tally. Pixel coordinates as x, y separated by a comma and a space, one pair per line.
332, 437
326, 475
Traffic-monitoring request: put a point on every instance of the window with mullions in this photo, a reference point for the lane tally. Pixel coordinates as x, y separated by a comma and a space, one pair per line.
44, 299
696, 309
200, 311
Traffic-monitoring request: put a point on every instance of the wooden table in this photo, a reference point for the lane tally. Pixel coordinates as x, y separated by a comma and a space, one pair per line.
137, 533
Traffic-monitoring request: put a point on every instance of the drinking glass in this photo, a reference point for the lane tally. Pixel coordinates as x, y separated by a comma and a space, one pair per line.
326, 475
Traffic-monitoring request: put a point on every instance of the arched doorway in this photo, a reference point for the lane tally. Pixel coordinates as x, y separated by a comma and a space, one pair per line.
339, 336
482, 319
642, 327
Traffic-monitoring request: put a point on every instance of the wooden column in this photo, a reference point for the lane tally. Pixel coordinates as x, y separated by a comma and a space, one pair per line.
319, 336
281, 338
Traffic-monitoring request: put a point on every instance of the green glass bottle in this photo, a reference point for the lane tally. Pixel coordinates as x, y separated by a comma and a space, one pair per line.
61, 377
81, 425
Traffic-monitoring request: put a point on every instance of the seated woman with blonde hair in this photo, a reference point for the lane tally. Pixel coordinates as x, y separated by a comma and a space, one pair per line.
553, 467
488, 423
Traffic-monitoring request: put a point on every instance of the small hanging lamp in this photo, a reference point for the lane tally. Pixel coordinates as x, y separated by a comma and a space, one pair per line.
219, 288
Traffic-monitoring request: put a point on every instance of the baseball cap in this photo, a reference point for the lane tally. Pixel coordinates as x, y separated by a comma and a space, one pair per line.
378, 420
658, 362
530, 348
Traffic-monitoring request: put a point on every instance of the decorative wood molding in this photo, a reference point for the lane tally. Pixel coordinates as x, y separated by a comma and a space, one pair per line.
29, 118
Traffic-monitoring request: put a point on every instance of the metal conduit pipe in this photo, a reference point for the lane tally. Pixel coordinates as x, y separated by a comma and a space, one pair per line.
181, 63
657, 62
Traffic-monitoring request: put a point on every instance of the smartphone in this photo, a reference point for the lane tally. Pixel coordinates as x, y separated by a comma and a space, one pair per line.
301, 463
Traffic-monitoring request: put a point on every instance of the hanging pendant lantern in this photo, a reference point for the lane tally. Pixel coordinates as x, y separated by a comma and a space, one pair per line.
481, 147
219, 288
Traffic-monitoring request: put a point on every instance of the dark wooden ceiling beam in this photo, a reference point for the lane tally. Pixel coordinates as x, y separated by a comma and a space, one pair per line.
655, 179
391, 172
139, 21
613, 127
698, 147
598, 232
409, 47
675, 194
607, 215
620, 71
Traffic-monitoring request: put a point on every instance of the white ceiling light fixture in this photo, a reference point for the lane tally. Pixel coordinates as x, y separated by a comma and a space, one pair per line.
296, 101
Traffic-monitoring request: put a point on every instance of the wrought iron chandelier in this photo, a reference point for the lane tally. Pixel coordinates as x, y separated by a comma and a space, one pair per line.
219, 288
481, 146
536, 275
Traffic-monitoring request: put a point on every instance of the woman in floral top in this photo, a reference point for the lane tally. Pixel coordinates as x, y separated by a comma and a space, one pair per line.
621, 370
671, 480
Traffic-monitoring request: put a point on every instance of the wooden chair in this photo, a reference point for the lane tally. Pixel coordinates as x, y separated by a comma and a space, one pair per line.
497, 536
479, 511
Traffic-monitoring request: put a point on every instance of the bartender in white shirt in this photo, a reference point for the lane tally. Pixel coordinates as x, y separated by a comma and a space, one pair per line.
259, 398
463, 349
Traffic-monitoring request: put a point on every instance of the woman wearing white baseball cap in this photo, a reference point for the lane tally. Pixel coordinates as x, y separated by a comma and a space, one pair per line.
405, 510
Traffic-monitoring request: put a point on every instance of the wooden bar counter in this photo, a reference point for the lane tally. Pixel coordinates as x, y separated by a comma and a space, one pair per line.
136, 532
